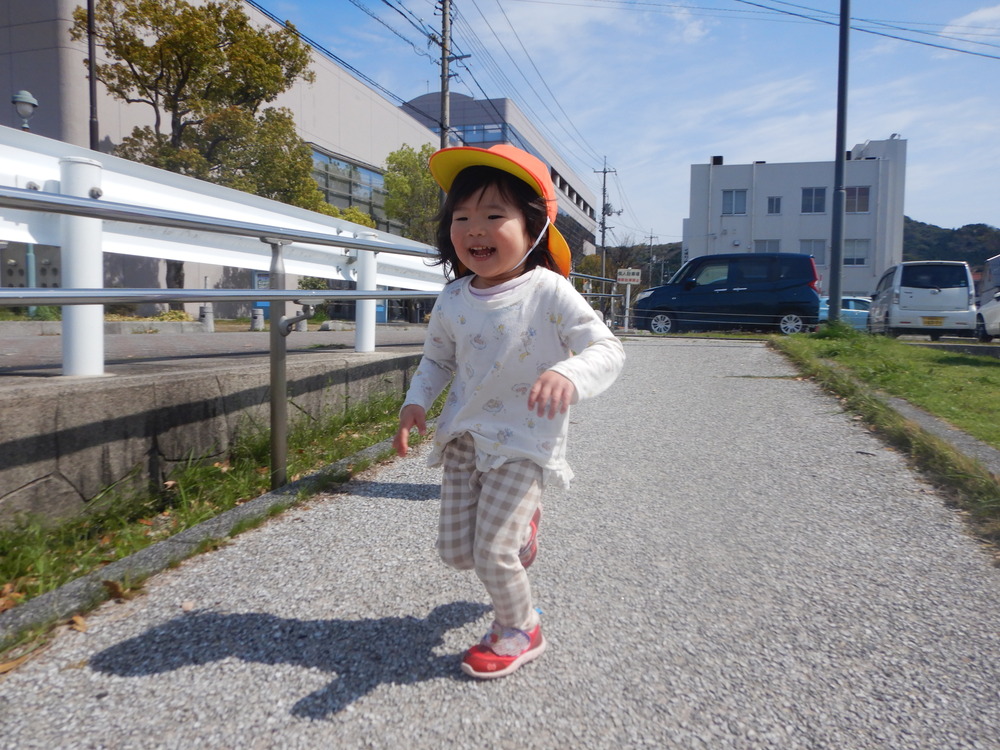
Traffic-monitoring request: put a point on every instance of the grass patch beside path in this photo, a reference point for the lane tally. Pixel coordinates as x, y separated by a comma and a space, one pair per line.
36, 558
962, 389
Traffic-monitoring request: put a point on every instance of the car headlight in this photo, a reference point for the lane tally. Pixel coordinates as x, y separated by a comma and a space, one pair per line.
643, 295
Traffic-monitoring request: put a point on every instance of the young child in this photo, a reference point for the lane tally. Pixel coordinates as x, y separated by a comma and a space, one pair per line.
518, 344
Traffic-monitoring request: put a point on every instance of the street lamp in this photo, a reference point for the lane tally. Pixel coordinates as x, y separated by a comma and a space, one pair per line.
25, 104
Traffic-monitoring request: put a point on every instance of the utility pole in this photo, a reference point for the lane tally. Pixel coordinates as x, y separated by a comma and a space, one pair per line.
839, 191
605, 212
95, 133
653, 258
445, 75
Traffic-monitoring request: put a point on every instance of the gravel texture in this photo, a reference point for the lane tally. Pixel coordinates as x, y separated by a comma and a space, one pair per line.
739, 564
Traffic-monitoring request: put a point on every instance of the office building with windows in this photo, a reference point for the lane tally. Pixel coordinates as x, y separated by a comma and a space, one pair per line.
350, 127
775, 207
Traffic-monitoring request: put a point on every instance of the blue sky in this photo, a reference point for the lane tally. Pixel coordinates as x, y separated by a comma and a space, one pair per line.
654, 86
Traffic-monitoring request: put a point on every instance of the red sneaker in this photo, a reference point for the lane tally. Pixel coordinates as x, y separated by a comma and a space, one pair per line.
502, 651
530, 549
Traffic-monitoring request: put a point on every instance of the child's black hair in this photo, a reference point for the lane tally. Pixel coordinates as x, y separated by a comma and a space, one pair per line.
470, 181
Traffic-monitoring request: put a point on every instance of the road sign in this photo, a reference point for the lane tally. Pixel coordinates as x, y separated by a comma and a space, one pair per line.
629, 275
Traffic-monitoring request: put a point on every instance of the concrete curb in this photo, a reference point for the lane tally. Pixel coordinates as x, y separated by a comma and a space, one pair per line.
86, 592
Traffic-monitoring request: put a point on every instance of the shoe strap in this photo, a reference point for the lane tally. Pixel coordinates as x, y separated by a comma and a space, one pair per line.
506, 641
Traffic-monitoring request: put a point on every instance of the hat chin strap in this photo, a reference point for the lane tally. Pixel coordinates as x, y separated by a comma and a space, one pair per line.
534, 244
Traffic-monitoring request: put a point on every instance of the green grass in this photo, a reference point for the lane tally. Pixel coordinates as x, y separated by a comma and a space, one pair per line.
36, 557
962, 389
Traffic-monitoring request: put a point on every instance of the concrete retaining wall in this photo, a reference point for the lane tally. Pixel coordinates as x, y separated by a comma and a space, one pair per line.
64, 443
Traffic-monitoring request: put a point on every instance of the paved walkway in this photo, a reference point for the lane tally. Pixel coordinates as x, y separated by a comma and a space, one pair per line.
40, 357
739, 564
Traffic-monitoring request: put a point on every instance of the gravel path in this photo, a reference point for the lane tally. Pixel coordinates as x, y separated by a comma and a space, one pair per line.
739, 564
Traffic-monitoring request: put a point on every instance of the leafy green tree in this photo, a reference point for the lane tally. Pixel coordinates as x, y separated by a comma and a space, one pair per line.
413, 198
189, 62
206, 72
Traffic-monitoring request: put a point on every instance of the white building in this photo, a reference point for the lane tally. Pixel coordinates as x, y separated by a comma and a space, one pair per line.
763, 207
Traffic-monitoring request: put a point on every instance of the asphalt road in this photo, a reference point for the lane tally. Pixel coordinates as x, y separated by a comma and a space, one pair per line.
739, 564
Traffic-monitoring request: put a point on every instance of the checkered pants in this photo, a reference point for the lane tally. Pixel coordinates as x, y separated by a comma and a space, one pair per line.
485, 520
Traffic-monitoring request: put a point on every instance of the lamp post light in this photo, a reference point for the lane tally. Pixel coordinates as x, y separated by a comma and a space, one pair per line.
25, 104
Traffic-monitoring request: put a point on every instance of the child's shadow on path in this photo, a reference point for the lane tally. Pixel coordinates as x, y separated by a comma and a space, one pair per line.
362, 653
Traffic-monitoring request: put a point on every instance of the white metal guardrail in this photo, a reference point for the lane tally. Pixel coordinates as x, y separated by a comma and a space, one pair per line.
82, 246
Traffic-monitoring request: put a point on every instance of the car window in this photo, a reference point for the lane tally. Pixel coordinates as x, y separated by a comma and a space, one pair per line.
886, 281
752, 269
712, 273
791, 268
934, 277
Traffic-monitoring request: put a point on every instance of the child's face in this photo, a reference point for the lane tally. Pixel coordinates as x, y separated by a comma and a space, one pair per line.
490, 237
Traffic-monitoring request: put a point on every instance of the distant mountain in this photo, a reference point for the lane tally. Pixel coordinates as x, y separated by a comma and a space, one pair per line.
973, 243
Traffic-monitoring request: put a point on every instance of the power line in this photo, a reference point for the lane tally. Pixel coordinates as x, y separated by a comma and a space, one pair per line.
552, 95
366, 10
831, 22
511, 91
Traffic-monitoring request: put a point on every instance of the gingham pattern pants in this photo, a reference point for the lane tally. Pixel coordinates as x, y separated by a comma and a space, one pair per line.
485, 520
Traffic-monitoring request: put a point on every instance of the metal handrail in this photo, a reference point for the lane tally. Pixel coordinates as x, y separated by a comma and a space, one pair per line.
276, 237
36, 200
57, 297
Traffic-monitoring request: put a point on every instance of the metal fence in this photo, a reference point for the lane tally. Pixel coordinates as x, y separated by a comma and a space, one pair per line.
87, 340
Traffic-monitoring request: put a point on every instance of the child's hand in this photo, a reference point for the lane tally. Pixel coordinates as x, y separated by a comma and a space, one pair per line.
411, 416
553, 391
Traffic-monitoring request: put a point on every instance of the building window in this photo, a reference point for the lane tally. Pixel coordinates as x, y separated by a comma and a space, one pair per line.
734, 202
767, 246
774, 204
856, 252
813, 200
344, 185
857, 200
815, 248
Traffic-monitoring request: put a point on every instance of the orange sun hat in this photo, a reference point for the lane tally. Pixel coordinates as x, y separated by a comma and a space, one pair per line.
448, 162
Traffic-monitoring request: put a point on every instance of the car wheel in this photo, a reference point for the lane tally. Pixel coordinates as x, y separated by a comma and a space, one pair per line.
981, 334
935, 336
791, 323
892, 332
662, 322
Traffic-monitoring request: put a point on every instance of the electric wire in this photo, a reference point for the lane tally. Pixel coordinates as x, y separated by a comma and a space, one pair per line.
511, 91
367, 11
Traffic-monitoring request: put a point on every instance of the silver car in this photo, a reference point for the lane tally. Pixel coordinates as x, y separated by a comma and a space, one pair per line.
930, 297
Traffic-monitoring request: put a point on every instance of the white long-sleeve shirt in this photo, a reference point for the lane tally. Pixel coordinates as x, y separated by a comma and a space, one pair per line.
493, 349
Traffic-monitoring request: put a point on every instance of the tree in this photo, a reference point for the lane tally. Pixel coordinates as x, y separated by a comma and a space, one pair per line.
413, 198
188, 63
206, 72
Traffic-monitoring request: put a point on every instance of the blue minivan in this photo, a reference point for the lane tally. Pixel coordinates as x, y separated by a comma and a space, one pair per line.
734, 290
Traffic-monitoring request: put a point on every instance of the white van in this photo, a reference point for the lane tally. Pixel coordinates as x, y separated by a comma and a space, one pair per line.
930, 297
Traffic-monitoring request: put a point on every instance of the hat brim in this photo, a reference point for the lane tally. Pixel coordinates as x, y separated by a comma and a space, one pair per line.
446, 164
559, 249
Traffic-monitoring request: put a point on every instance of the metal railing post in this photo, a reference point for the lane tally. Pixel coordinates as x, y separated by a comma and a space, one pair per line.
83, 267
279, 376
364, 317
